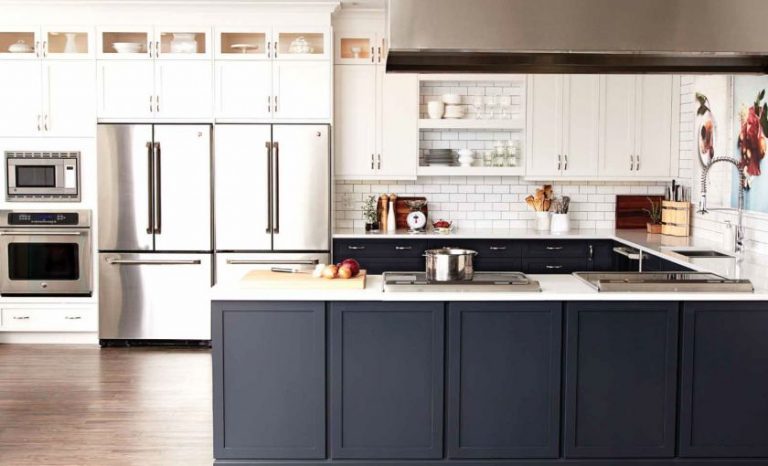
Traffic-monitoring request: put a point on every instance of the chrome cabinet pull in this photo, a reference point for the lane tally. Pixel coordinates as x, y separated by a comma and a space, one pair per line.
153, 262
637, 165
403, 248
272, 262
72, 317
45, 122
151, 109
559, 162
372, 163
379, 159
554, 267
149, 48
150, 188
157, 104
157, 49
591, 254
554, 248
268, 145
373, 56
382, 41
276, 145
631, 162
20, 317
45, 48
565, 165
37, 49
39, 127
269, 104
356, 248
276, 46
269, 50
497, 248
276, 110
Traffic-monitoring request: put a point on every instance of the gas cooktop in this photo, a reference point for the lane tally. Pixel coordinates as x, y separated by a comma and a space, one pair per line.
481, 281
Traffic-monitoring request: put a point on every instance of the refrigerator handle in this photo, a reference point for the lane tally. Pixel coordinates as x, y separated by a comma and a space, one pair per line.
268, 145
150, 189
158, 218
276, 228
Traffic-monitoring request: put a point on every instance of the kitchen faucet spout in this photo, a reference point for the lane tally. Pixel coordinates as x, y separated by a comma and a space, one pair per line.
739, 236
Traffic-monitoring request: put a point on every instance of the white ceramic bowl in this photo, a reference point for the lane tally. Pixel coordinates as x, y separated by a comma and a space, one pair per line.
466, 153
127, 47
435, 109
452, 99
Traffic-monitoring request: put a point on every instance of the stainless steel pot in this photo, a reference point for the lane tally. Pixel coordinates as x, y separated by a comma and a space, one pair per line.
449, 264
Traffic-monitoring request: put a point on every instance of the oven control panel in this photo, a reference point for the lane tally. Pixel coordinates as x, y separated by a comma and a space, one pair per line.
43, 218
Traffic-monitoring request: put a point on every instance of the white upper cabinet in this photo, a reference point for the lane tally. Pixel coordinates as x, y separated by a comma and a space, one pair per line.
563, 120
301, 43
359, 48
68, 42
69, 98
21, 113
183, 43
125, 43
20, 42
302, 90
244, 43
163, 42
183, 88
639, 120
399, 135
126, 89
243, 89
355, 127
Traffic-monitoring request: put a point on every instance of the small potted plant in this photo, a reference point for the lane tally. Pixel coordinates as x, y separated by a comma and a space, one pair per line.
371, 214
654, 216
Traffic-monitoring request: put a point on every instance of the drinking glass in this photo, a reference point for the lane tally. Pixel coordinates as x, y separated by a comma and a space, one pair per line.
505, 102
477, 106
490, 106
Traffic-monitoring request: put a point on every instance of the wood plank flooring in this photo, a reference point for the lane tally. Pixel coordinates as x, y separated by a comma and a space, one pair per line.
82, 405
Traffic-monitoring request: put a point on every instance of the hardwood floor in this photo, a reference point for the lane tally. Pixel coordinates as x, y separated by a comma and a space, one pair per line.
82, 405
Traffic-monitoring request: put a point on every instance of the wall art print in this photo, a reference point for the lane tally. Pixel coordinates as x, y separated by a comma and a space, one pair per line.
750, 123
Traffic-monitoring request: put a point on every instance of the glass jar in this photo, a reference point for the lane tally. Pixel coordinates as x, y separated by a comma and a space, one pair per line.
488, 158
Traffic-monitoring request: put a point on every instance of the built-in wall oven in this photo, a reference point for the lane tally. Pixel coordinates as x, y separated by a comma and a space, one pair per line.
42, 176
45, 253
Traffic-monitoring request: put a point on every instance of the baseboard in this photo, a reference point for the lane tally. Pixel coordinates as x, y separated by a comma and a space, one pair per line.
50, 338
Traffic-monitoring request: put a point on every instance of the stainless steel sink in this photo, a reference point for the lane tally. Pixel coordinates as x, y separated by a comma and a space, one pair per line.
708, 253
663, 282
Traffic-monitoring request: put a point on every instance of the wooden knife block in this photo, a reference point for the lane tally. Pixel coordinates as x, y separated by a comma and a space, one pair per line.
675, 218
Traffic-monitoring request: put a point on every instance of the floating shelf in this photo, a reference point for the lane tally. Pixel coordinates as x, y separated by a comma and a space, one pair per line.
470, 171
461, 123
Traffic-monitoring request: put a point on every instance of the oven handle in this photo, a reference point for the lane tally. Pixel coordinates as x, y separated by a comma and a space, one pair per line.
40, 233
153, 262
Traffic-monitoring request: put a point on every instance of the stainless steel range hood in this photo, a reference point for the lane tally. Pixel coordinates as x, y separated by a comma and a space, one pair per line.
577, 36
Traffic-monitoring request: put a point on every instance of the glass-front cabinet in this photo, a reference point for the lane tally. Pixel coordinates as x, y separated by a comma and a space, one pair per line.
20, 42
61, 42
359, 48
283, 43
159, 42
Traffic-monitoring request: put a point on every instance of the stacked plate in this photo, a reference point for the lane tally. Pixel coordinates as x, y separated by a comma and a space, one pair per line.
438, 158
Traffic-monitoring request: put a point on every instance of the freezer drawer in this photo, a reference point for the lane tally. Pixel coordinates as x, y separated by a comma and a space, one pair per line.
154, 296
230, 267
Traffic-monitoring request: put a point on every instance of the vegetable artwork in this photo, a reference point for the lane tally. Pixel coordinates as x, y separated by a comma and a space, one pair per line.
541, 200
752, 138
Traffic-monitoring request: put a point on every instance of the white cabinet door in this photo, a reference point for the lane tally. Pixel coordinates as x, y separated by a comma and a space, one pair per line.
355, 122
126, 89
618, 125
20, 98
302, 90
653, 141
69, 90
399, 125
545, 117
581, 124
243, 89
183, 89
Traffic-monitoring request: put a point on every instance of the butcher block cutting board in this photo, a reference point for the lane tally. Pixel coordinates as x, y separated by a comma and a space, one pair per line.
300, 281
630, 213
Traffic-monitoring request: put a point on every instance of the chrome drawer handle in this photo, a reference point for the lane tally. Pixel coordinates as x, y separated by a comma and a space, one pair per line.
497, 248
355, 248
554, 267
72, 317
20, 317
403, 248
554, 248
272, 262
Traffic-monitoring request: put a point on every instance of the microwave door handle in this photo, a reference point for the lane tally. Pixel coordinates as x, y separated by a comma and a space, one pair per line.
276, 228
158, 218
150, 189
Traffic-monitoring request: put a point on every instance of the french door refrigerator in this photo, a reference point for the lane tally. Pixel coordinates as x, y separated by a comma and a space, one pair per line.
272, 197
155, 246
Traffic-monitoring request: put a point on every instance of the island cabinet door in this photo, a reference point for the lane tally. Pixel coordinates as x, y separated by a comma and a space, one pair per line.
621, 379
503, 379
724, 394
268, 380
386, 370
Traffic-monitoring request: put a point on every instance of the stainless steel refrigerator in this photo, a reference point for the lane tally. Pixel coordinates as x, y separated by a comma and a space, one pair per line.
273, 197
155, 245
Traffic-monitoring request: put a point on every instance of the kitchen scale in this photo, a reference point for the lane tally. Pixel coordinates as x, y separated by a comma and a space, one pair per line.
416, 219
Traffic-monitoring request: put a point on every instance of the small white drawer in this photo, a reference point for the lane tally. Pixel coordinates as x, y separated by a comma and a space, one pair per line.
48, 319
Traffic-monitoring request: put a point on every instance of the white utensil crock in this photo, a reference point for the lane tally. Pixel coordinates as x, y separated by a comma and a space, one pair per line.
542, 221
561, 223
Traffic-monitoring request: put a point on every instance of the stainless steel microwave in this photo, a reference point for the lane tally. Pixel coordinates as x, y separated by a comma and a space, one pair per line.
42, 176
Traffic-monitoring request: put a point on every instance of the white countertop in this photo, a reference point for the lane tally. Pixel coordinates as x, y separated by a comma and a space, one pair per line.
554, 287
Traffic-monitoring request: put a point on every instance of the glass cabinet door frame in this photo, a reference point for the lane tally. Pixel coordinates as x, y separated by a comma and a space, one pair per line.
197, 30
223, 46
32, 36
368, 42
107, 54
296, 31
51, 51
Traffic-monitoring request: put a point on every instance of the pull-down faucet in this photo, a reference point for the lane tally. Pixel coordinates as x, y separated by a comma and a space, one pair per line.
739, 236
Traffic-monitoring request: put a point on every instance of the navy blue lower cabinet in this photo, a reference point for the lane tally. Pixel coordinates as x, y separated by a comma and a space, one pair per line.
724, 395
268, 380
621, 379
503, 379
386, 371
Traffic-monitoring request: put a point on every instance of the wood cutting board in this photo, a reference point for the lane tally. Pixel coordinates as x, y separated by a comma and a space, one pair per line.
630, 213
282, 281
